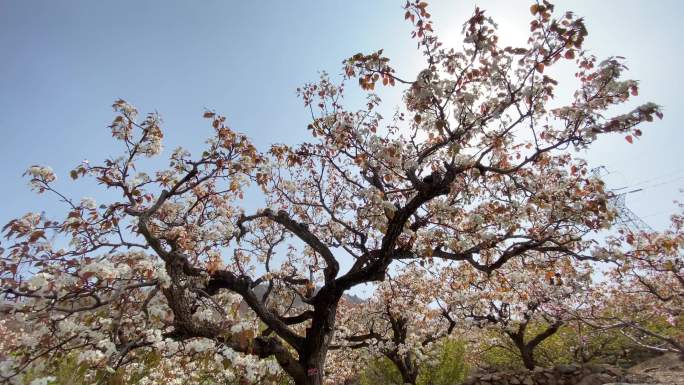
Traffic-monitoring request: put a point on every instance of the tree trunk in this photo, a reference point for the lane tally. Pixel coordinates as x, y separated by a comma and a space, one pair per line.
408, 375
526, 350
406, 367
314, 371
527, 355
313, 354
309, 371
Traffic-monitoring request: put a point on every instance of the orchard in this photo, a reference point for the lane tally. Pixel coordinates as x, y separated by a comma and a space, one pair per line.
469, 212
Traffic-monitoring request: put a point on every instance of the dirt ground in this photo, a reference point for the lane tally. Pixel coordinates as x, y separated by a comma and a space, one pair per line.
665, 369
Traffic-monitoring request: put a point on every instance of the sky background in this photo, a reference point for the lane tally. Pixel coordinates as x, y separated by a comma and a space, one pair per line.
65, 62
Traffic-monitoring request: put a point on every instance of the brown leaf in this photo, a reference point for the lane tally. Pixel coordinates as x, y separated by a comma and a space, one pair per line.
36, 235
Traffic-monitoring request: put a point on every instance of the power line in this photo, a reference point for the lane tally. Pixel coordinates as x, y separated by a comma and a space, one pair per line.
675, 172
644, 181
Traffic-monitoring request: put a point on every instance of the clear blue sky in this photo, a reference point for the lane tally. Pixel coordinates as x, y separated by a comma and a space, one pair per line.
64, 62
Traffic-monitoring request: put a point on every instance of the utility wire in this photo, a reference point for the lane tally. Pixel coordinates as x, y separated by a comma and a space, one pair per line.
660, 177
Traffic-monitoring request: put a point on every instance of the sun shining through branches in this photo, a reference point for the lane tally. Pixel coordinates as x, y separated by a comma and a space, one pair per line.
475, 186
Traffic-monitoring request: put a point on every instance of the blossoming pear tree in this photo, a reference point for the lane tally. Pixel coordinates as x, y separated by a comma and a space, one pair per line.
642, 295
528, 300
474, 167
399, 322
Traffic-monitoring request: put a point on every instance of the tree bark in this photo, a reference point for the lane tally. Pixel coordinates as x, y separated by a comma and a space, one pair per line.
527, 355
526, 351
314, 370
315, 348
409, 372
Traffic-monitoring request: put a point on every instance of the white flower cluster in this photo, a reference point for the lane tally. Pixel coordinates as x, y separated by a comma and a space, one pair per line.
127, 110
104, 268
200, 345
43, 172
91, 357
207, 315
121, 127
252, 368
288, 186
375, 207
218, 231
139, 179
39, 281
43, 380
88, 203
152, 145
40, 175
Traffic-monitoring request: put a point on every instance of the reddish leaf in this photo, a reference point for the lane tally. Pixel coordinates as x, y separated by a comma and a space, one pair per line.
36, 235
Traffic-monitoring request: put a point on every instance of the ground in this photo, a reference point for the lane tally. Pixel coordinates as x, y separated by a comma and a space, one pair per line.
665, 369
